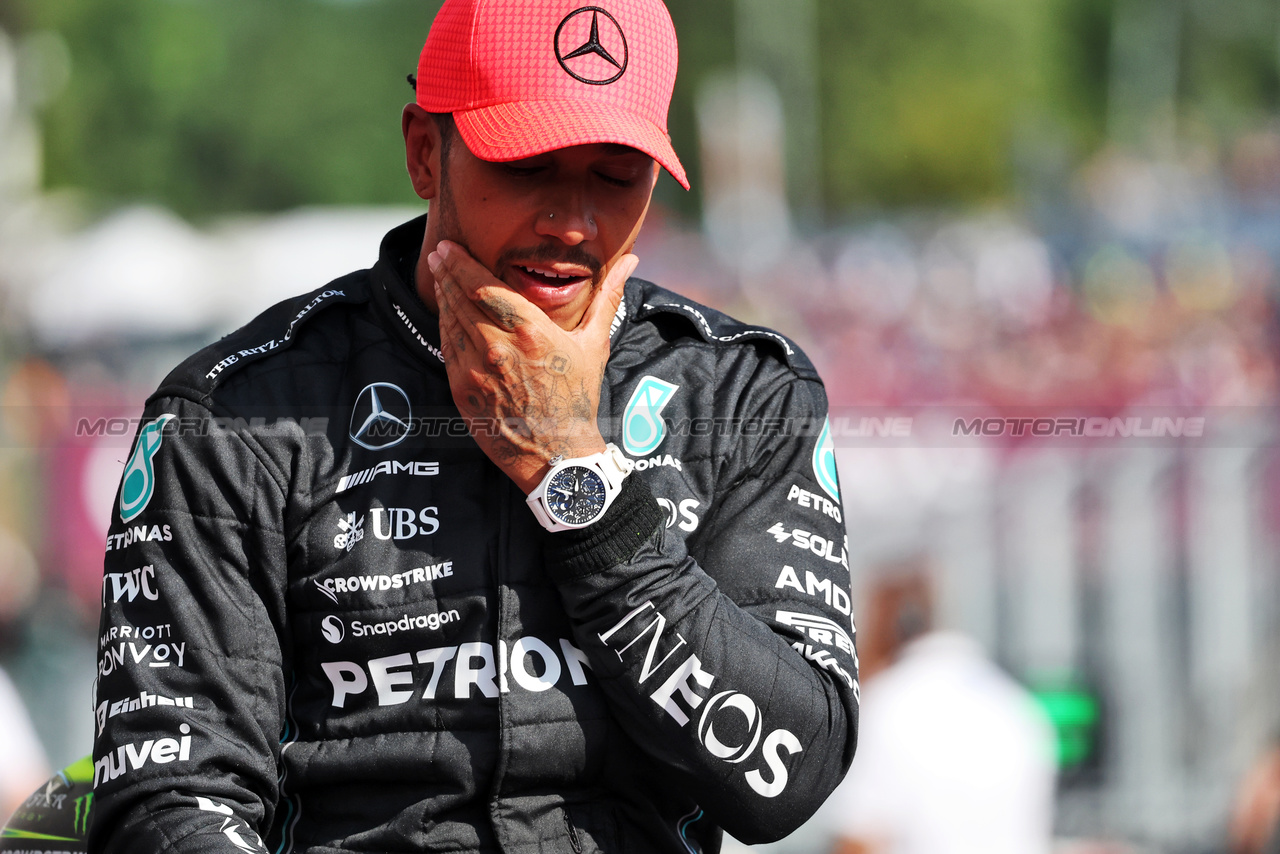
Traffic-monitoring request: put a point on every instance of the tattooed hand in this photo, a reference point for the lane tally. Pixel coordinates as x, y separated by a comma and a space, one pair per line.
530, 389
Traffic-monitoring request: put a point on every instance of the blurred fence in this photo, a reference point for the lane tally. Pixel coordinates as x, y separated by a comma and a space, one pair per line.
1138, 572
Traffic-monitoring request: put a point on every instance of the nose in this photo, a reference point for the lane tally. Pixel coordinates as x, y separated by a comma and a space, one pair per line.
568, 220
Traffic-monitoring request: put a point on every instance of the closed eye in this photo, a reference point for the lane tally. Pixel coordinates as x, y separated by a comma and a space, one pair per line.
615, 181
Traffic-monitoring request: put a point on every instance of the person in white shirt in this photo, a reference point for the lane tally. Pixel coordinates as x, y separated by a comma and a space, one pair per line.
23, 766
954, 756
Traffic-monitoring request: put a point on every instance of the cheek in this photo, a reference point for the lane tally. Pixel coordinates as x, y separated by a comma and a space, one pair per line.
629, 217
489, 224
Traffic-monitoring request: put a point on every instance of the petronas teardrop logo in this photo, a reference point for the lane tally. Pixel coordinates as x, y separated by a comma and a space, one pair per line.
642, 426
824, 462
139, 477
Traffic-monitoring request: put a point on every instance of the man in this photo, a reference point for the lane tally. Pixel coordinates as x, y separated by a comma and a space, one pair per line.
421, 562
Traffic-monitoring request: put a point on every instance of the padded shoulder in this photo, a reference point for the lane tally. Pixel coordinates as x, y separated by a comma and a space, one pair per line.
716, 327
267, 335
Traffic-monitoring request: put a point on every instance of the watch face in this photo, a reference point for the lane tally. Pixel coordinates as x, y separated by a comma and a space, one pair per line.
575, 495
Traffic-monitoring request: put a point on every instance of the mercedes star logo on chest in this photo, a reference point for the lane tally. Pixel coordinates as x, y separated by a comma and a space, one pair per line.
381, 417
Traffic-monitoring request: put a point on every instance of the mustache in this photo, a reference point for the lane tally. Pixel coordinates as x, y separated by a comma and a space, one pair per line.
548, 253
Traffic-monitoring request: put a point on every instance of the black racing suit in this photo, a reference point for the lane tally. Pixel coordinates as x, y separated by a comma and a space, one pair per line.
330, 620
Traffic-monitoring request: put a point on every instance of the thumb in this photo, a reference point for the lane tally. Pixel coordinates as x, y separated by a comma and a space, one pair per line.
600, 313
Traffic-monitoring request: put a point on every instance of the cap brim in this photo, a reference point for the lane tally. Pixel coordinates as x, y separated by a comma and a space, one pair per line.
515, 130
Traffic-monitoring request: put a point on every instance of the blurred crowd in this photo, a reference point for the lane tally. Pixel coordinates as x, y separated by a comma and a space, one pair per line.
1152, 283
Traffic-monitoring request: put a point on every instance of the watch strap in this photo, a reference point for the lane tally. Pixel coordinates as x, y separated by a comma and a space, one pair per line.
631, 521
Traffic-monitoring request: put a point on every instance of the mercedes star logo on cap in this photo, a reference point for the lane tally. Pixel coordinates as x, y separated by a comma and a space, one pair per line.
381, 416
598, 57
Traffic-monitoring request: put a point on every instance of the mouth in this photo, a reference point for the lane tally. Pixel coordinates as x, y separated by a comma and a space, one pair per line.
553, 277
551, 286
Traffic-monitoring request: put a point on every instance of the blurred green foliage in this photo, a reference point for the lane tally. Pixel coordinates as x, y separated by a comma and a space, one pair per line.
211, 106
921, 98
1230, 65
218, 105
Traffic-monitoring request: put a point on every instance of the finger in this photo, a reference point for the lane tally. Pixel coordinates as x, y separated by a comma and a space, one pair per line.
501, 359
600, 313
452, 261
454, 265
467, 320
451, 333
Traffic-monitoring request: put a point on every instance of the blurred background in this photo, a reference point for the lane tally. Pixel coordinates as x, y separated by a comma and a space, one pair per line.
964, 210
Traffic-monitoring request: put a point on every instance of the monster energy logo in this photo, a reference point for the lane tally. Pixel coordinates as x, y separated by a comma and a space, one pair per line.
139, 476
84, 804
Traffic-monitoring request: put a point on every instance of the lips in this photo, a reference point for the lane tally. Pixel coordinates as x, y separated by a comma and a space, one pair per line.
550, 276
550, 287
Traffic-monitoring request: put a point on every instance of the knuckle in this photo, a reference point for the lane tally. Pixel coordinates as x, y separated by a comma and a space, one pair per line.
498, 356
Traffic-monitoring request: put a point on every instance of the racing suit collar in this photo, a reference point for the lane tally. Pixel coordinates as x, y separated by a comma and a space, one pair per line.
402, 310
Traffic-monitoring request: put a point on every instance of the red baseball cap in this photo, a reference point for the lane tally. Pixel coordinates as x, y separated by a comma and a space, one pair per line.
523, 77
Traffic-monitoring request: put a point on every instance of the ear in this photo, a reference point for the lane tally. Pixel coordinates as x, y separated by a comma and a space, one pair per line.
422, 150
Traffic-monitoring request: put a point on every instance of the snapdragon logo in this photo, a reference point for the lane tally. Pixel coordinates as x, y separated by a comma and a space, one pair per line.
824, 462
333, 629
642, 426
406, 623
139, 477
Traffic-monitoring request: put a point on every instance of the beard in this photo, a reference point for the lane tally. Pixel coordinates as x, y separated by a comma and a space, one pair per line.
444, 213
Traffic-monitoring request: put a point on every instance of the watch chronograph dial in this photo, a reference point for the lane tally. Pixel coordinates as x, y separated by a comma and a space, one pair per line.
575, 495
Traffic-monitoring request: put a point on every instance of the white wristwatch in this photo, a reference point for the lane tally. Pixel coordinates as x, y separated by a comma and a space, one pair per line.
576, 492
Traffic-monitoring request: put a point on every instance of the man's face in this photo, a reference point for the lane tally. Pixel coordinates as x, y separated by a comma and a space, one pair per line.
551, 226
